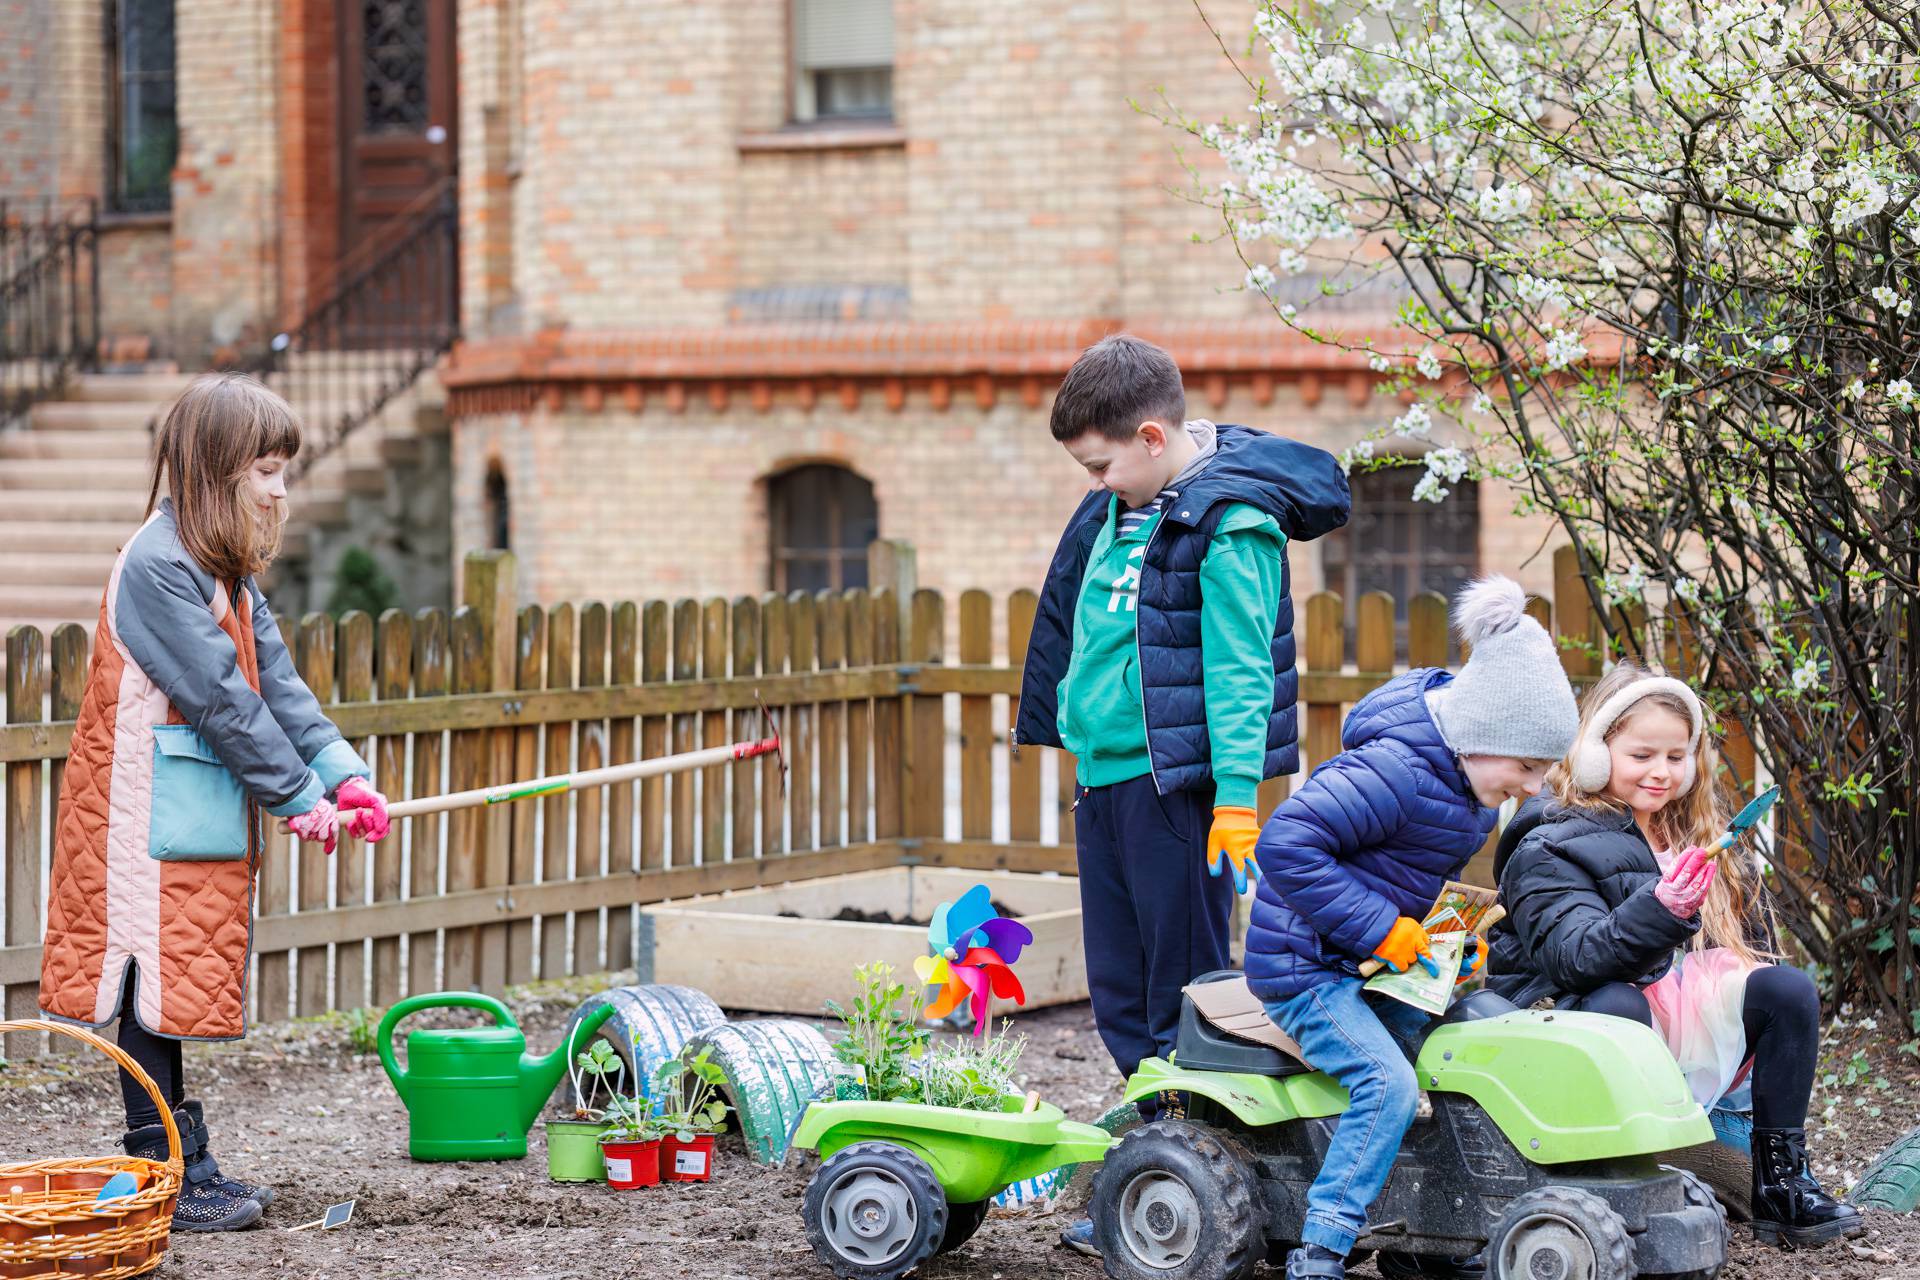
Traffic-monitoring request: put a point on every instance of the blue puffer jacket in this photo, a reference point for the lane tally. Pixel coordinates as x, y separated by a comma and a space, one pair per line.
1372, 836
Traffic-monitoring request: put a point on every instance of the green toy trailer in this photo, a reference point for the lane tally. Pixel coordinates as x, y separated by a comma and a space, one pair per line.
899, 1182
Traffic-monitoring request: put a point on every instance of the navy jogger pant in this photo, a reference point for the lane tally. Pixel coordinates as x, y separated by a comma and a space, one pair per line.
1152, 918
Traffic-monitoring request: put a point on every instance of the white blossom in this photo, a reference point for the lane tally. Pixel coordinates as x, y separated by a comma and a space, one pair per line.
1416, 423
1482, 403
1900, 391
1260, 279
1806, 675
1430, 489
1428, 364
1564, 348
1885, 296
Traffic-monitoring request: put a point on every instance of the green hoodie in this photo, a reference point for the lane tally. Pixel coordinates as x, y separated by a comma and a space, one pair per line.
1103, 720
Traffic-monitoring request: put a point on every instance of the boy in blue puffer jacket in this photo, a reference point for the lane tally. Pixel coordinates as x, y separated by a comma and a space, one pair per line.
1351, 862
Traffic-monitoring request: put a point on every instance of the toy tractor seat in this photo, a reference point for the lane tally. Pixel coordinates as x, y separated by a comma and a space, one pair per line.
1223, 1027
1477, 1005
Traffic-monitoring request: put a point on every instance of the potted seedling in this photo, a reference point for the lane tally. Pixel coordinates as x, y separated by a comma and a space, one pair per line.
573, 1142
692, 1113
630, 1142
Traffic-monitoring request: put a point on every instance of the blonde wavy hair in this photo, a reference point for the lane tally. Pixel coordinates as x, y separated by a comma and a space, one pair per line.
1697, 818
208, 442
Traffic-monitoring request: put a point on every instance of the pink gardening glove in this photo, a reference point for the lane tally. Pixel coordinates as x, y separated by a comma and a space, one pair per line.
1685, 885
319, 824
368, 819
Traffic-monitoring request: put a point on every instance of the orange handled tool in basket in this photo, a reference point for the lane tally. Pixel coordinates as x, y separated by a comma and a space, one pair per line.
49, 1214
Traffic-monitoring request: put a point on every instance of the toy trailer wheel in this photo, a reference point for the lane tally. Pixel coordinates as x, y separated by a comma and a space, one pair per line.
1178, 1201
874, 1212
962, 1221
1559, 1233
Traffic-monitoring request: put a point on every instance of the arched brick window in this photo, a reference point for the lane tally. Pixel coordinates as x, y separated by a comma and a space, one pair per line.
821, 519
1403, 547
499, 510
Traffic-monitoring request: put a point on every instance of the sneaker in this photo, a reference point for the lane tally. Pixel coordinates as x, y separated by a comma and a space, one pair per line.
1079, 1238
202, 1205
192, 1117
1311, 1262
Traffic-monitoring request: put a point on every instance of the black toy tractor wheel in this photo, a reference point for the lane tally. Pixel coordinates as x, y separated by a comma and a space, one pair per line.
962, 1221
1559, 1233
1699, 1193
1178, 1201
874, 1212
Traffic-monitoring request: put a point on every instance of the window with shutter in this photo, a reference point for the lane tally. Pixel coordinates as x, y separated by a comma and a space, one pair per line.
843, 59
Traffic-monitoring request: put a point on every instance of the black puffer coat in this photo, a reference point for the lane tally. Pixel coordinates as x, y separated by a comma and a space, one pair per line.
1578, 888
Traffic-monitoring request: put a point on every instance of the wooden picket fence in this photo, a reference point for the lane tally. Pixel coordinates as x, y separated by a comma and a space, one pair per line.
869, 703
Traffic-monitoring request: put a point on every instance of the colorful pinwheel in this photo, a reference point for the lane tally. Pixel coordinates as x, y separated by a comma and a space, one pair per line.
974, 951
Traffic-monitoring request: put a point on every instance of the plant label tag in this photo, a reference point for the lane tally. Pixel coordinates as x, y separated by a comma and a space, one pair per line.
693, 1162
337, 1215
619, 1169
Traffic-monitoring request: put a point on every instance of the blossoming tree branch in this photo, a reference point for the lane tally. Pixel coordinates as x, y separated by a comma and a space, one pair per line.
1657, 270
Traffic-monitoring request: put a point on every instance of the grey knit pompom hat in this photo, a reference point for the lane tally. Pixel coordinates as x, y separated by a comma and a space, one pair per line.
1512, 697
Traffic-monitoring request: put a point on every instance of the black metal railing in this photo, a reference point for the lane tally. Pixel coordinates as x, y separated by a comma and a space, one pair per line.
392, 312
49, 303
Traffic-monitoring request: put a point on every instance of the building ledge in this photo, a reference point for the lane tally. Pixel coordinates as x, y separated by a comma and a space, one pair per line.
872, 136
808, 362
157, 220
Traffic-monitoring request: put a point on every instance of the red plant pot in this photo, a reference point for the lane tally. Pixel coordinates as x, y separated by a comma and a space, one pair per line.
632, 1164
686, 1161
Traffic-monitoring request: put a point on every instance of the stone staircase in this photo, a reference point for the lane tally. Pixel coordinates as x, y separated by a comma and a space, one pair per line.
73, 487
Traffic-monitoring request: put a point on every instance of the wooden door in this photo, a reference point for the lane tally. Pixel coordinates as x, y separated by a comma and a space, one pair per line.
397, 99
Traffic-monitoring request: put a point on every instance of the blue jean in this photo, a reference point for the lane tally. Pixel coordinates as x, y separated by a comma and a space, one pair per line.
1367, 1043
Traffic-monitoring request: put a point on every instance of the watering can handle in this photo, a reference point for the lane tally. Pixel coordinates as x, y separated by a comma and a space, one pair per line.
383, 1037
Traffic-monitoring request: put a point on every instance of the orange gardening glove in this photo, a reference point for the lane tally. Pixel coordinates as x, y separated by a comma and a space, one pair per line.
1235, 831
1473, 957
1405, 943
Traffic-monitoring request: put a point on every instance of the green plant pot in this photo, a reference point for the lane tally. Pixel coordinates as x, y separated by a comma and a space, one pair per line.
573, 1151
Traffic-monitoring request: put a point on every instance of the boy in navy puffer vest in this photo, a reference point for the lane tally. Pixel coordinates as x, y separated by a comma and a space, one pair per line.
1162, 657
1351, 862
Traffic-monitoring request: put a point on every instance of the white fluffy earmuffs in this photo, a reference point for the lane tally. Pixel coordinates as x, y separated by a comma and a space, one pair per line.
1592, 762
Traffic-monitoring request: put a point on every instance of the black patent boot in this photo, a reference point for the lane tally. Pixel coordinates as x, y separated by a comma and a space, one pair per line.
1788, 1204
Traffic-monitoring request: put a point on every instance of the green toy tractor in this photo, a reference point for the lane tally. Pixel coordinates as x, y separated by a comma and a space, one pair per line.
1537, 1146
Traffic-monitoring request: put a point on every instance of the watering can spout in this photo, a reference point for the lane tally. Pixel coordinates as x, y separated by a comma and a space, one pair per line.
538, 1076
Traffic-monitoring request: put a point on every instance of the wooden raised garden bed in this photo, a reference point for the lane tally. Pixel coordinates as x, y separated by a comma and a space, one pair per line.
780, 950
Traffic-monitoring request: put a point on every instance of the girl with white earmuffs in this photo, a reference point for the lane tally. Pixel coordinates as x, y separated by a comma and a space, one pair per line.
1616, 907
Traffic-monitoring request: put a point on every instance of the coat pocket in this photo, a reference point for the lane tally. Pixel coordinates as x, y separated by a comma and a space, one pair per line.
199, 811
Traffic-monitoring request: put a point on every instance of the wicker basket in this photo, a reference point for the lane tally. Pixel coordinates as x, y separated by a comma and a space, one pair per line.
50, 1225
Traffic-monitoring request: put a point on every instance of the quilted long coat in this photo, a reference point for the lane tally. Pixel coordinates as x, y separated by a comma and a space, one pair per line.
193, 721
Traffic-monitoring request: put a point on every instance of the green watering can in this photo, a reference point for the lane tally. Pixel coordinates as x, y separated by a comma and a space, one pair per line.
472, 1093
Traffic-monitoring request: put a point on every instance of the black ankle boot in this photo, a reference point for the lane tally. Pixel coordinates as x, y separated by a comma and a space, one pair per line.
1788, 1204
202, 1206
194, 1113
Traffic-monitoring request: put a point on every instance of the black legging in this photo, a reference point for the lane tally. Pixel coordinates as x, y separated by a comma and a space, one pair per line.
158, 1056
1781, 1015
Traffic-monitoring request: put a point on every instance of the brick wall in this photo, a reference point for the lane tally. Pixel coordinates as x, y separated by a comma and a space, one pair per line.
226, 187
136, 273
613, 505
28, 100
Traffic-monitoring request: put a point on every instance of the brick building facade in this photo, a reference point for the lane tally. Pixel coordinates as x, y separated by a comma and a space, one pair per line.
701, 249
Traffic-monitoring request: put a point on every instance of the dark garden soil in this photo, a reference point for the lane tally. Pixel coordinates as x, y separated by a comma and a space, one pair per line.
296, 1107
854, 915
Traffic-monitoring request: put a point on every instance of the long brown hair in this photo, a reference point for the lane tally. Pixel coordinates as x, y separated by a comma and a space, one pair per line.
208, 442
1697, 818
